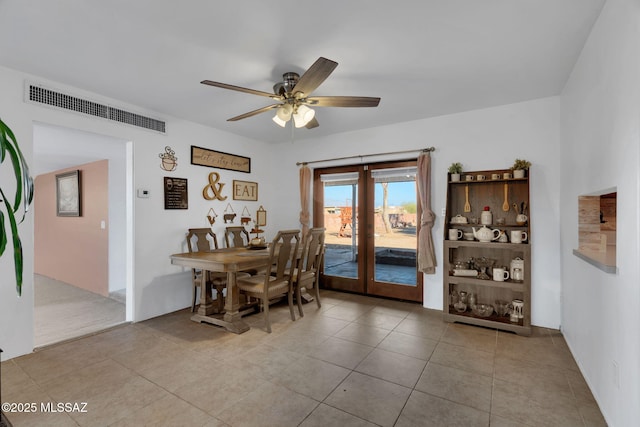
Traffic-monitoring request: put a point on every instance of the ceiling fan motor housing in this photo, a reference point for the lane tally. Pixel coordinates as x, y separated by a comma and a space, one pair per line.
287, 84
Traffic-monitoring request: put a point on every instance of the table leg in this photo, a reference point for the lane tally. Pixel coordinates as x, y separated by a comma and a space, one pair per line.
232, 306
206, 300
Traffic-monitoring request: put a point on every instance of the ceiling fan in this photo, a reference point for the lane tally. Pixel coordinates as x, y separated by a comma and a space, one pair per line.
293, 94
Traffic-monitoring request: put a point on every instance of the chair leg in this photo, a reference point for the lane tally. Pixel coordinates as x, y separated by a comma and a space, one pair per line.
299, 300
317, 292
290, 301
265, 304
220, 298
193, 302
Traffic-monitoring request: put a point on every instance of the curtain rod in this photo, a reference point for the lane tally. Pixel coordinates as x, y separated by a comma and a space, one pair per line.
424, 150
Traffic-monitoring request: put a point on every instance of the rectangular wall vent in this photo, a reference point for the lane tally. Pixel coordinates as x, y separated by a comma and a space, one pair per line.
50, 97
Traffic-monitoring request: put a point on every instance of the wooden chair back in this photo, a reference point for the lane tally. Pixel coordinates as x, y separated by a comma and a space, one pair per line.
201, 240
236, 236
313, 249
283, 253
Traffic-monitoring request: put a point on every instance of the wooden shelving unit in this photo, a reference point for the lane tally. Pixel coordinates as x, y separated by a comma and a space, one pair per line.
487, 193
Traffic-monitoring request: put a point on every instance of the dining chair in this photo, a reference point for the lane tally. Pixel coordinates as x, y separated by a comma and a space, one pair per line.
236, 236
307, 272
276, 281
205, 240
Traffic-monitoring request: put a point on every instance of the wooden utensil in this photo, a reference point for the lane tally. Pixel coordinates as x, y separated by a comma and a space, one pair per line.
505, 205
515, 208
467, 206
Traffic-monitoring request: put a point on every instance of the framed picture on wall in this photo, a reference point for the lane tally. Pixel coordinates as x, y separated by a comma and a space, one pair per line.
69, 194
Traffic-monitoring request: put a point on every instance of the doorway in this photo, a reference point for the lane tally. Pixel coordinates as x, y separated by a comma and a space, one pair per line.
371, 216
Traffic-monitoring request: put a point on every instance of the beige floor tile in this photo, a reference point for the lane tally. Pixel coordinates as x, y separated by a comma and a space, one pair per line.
321, 324
298, 340
363, 334
497, 421
409, 345
380, 319
230, 384
591, 415
470, 336
425, 410
525, 403
393, 367
270, 361
40, 419
326, 416
312, 377
459, 386
341, 352
269, 405
526, 373
349, 312
372, 399
538, 348
168, 411
423, 328
466, 359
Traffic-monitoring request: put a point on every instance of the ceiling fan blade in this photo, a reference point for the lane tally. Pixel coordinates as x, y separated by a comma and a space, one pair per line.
315, 75
241, 89
343, 101
313, 123
253, 113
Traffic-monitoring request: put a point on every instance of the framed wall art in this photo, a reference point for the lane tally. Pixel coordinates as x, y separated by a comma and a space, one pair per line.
175, 193
217, 159
245, 190
69, 194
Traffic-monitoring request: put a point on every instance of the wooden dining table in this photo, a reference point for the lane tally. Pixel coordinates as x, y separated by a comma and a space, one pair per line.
230, 261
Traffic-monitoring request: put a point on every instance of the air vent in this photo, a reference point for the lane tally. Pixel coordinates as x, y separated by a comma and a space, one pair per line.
50, 97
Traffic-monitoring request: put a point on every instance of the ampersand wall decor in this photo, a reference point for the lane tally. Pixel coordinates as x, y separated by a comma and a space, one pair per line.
213, 190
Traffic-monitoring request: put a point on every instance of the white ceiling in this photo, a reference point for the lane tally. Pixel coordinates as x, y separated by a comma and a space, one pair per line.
424, 58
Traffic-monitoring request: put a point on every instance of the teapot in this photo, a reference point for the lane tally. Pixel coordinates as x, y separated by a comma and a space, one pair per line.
485, 234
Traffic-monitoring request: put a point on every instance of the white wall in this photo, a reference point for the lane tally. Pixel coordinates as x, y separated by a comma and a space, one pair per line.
600, 109
159, 286
483, 139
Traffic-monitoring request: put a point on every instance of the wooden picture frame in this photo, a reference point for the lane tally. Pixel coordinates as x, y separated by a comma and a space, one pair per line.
68, 194
245, 190
218, 159
261, 217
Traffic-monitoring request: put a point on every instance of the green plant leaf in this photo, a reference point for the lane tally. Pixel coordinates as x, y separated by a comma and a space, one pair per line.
17, 244
3, 235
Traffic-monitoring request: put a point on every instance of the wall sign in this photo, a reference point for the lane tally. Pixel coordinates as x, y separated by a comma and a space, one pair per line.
175, 193
245, 190
217, 159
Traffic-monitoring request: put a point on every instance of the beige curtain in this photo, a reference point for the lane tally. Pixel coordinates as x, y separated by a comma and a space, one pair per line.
305, 191
426, 251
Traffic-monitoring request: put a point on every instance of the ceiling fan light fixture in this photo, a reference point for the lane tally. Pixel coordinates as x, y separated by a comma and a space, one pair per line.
303, 116
277, 120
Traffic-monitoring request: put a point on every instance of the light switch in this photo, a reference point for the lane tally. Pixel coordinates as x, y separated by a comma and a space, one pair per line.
103, 224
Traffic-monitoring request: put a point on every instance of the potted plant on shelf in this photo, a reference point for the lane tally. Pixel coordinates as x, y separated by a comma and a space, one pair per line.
519, 166
455, 170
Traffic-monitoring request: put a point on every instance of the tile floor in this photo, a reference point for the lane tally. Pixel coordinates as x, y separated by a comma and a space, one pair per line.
357, 361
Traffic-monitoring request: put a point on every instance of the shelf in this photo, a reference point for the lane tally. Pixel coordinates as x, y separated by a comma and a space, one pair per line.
468, 199
494, 321
487, 245
507, 284
489, 181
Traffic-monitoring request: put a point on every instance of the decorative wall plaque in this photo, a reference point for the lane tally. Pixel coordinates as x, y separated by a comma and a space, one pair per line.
175, 193
245, 190
217, 159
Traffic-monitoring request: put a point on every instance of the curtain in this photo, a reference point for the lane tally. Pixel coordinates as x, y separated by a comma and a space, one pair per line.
426, 251
305, 190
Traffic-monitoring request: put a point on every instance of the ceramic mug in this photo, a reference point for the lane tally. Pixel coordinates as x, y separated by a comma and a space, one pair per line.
517, 236
500, 274
455, 234
480, 177
495, 176
507, 175
468, 177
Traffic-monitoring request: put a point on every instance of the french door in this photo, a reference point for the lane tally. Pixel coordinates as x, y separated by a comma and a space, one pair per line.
372, 219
